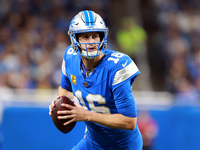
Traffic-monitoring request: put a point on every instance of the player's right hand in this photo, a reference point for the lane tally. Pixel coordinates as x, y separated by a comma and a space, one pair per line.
52, 105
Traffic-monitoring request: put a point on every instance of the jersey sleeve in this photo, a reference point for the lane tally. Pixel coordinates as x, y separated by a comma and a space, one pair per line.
124, 100
125, 73
65, 81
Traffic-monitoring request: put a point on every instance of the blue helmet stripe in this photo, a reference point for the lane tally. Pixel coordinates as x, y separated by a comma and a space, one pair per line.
89, 18
92, 19
86, 17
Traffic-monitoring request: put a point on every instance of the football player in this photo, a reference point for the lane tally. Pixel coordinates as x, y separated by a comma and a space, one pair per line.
101, 80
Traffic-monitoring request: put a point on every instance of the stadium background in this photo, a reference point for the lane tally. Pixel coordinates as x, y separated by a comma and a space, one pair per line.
165, 37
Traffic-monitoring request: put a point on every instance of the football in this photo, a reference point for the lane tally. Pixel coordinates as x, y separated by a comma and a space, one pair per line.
59, 122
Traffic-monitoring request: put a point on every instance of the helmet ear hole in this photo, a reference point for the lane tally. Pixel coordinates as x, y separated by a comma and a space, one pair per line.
76, 36
101, 35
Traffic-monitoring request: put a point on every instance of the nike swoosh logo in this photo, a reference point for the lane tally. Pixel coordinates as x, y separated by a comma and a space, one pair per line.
123, 65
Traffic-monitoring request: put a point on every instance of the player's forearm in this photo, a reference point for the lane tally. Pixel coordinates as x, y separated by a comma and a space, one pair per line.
117, 121
65, 92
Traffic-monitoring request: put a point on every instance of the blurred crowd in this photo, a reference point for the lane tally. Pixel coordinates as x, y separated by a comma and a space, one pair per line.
178, 43
33, 38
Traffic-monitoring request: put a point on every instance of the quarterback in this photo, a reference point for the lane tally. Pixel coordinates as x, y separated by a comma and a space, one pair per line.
100, 80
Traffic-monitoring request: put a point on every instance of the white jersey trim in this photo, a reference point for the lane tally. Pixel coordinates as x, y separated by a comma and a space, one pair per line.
125, 73
63, 68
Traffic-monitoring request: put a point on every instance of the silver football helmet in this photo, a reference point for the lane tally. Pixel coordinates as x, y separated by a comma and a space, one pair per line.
88, 21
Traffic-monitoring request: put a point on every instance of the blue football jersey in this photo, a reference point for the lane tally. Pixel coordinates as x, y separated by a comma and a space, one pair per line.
106, 90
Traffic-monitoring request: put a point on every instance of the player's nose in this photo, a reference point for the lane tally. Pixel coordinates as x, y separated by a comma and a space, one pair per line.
91, 40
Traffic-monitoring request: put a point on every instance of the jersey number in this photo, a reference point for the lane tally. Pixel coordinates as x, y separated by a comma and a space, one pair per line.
91, 99
117, 55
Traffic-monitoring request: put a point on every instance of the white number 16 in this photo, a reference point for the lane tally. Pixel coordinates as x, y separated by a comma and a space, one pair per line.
91, 98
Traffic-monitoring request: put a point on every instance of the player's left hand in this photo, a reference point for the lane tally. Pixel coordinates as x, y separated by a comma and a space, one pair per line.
75, 113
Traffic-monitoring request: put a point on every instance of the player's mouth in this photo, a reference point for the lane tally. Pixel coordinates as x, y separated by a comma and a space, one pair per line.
91, 49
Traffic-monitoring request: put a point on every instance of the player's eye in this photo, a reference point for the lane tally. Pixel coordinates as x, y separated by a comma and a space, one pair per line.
85, 37
95, 36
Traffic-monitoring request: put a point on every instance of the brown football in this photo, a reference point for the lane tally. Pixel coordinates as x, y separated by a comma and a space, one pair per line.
59, 122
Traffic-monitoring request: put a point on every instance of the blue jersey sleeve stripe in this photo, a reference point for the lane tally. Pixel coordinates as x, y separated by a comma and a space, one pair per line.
125, 73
